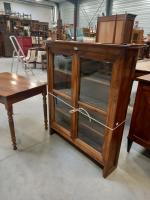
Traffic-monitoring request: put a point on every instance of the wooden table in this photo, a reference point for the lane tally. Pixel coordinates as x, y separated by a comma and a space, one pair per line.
13, 89
142, 68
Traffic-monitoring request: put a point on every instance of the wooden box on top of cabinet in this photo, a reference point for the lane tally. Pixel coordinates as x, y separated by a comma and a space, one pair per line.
89, 87
115, 29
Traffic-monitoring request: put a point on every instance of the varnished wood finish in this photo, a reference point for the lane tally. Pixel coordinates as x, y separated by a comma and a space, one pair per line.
142, 68
124, 59
115, 29
13, 89
140, 125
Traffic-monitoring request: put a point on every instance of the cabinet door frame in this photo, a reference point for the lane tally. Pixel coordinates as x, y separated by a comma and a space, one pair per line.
72, 100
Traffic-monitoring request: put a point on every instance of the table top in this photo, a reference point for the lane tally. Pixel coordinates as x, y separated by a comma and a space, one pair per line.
11, 84
145, 78
143, 65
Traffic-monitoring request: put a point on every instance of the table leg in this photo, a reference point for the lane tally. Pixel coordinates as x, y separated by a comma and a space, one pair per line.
11, 125
45, 110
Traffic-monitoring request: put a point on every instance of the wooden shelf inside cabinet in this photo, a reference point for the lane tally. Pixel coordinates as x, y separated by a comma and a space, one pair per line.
65, 93
101, 81
97, 87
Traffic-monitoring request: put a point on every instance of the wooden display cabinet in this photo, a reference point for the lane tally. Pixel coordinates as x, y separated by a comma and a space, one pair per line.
115, 29
89, 87
140, 123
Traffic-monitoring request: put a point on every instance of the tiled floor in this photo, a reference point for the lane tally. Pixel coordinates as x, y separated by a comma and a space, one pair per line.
49, 168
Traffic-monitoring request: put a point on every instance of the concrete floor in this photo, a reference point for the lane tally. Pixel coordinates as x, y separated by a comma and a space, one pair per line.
47, 167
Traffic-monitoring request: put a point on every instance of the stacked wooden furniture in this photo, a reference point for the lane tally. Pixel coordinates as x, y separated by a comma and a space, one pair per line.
89, 87
140, 123
39, 29
138, 36
14, 25
115, 29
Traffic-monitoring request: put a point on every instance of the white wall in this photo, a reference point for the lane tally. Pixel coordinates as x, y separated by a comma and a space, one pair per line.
1, 6
139, 7
42, 14
67, 12
89, 10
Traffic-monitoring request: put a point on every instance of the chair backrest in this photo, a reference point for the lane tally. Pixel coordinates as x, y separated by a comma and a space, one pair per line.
17, 47
25, 43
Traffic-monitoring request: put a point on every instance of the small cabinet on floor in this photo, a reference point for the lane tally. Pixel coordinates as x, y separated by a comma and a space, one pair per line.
140, 123
89, 87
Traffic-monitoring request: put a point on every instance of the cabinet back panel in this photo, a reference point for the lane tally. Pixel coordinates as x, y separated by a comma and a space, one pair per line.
95, 78
62, 73
90, 132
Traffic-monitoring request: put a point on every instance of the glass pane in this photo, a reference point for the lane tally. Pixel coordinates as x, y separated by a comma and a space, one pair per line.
62, 73
91, 132
62, 115
95, 78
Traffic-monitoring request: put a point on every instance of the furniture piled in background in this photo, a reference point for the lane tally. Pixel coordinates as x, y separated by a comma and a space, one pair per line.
140, 123
87, 32
19, 25
44, 62
138, 36
92, 118
41, 58
116, 29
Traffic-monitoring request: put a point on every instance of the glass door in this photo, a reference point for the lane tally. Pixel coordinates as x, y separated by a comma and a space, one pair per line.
62, 92
95, 80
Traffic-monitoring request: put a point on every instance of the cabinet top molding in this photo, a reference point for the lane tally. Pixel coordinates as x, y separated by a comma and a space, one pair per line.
96, 44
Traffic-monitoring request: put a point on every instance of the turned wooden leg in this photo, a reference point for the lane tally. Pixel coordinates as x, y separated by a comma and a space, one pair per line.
11, 125
129, 145
45, 110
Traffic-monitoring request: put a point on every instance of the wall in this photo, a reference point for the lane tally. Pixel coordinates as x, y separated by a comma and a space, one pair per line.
89, 10
139, 7
42, 14
67, 12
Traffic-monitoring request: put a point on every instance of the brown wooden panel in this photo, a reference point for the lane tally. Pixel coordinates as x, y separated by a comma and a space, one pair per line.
115, 29
119, 32
106, 32
140, 123
90, 137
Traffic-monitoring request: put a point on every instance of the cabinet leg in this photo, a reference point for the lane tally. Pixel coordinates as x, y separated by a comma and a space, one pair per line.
11, 125
129, 145
52, 131
45, 110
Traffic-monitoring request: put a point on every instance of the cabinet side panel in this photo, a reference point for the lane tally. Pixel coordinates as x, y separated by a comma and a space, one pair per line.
50, 77
140, 132
122, 78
